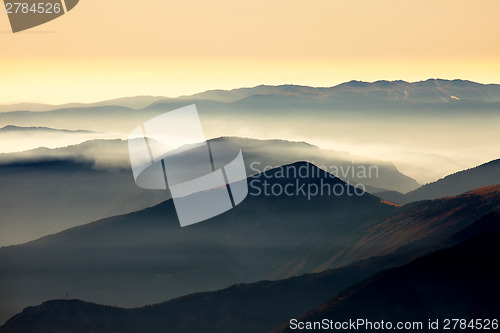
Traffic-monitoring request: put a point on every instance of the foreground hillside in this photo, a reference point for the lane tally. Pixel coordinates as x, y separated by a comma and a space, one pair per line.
460, 282
261, 306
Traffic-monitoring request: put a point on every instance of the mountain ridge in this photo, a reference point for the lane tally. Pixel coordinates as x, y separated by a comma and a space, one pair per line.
440, 286
242, 308
443, 86
13, 128
101, 181
454, 184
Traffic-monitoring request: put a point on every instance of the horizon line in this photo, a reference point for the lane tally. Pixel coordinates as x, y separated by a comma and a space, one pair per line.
12, 103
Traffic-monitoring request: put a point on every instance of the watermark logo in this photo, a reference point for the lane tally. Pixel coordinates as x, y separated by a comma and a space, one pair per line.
26, 14
204, 178
303, 179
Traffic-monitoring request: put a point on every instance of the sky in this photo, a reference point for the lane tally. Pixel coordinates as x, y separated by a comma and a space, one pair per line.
115, 48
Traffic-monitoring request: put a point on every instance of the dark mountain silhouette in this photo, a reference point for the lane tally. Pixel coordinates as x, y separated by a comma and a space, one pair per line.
101, 182
460, 282
485, 224
256, 307
455, 184
265, 237
372, 173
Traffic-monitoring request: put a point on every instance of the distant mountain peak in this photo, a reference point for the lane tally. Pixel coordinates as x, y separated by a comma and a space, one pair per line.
354, 84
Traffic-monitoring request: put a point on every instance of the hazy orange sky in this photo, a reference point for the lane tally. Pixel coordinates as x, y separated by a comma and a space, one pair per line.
113, 48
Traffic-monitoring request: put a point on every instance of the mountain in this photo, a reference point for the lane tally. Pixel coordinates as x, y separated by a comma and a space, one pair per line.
436, 90
432, 93
265, 237
258, 155
392, 97
242, 308
38, 129
429, 91
94, 180
460, 182
460, 282
386, 115
107, 154
18, 138
255, 307
136, 102
422, 166
372, 173
414, 227
65, 187
457, 183
48, 196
